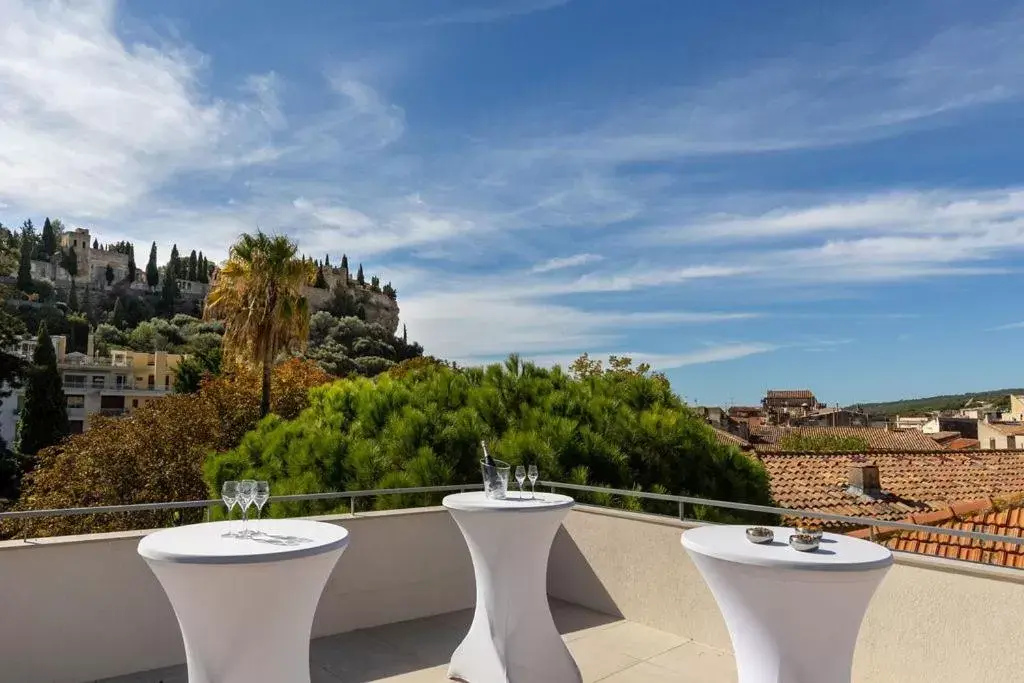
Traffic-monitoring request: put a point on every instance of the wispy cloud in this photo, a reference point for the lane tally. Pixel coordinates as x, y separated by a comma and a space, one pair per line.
560, 263
1009, 326
482, 12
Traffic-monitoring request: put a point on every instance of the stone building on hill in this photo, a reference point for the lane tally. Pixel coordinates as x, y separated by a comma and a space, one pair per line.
782, 405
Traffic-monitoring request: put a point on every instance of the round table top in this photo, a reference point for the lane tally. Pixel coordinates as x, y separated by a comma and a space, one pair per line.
836, 552
477, 501
277, 539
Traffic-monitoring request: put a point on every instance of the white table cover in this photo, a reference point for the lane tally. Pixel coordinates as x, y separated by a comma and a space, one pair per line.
513, 638
245, 606
793, 617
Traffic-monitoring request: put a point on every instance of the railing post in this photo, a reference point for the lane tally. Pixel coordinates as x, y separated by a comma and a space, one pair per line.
352, 506
872, 532
682, 511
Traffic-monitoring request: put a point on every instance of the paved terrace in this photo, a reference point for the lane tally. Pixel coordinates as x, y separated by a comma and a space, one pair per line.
626, 596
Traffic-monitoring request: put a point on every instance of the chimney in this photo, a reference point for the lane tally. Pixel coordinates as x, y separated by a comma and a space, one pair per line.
864, 480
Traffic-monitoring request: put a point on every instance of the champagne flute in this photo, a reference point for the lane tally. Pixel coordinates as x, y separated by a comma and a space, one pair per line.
246, 493
229, 494
520, 477
533, 474
261, 497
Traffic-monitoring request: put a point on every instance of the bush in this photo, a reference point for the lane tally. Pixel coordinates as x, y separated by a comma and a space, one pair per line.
424, 428
155, 453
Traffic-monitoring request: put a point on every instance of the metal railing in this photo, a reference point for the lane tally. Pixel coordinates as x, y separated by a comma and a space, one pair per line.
682, 501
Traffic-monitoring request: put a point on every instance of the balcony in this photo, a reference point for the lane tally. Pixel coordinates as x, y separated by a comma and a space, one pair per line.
112, 412
627, 599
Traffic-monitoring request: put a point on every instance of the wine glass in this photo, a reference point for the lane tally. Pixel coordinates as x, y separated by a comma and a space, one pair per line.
533, 474
246, 494
261, 497
520, 477
229, 494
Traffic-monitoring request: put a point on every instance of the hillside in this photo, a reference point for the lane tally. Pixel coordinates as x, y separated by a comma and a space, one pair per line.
926, 404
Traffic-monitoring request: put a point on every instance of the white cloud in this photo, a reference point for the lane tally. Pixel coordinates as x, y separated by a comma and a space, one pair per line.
481, 12
668, 361
560, 263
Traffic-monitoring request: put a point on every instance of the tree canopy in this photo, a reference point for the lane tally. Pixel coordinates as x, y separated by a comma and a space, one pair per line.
44, 417
152, 272
424, 427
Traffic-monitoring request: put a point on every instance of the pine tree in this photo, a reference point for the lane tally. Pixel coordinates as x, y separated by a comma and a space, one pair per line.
193, 266
321, 281
201, 272
152, 272
344, 261
405, 334
132, 268
44, 418
359, 275
24, 283
109, 275
327, 260
73, 297
175, 263
49, 239
117, 314
95, 244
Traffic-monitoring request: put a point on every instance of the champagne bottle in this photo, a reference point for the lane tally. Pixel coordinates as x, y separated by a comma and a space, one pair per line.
488, 460
492, 482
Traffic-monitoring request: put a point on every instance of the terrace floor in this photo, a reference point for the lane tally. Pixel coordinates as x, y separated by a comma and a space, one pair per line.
607, 649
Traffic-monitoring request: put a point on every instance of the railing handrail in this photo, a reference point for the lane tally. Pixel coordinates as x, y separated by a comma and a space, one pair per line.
870, 522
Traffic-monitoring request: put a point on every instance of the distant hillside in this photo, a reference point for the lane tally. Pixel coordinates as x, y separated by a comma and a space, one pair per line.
927, 404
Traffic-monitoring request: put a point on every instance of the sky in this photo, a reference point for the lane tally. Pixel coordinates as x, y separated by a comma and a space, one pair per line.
746, 195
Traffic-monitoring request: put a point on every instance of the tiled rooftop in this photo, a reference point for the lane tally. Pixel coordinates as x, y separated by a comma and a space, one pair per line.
981, 515
963, 444
606, 649
912, 481
767, 438
730, 439
944, 437
1009, 429
790, 393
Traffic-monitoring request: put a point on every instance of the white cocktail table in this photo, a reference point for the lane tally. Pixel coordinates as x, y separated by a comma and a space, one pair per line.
793, 617
513, 638
245, 606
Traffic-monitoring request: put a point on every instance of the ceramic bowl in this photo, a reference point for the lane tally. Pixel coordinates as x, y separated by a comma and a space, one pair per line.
805, 543
814, 531
760, 534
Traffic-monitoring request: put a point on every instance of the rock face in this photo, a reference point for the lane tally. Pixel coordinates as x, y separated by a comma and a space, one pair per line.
379, 307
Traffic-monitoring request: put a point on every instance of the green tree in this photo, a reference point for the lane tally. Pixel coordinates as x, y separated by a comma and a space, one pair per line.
191, 371
24, 282
174, 266
117, 314
201, 269
73, 297
424, 428
109, 275
95, 244
258, 295
321, 281
70, 263
49, 244
359, 275
132, 268
193, 266
152, 272
44, 417
169, 288
344, 261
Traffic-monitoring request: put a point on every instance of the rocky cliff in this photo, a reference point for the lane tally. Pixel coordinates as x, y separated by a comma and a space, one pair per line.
379, 308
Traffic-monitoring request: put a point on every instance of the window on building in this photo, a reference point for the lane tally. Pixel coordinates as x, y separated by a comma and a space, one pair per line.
152, 381
991, 444
167, 381
77, 426
76, 401
98, 381
135, 403
74, 381
1011, 442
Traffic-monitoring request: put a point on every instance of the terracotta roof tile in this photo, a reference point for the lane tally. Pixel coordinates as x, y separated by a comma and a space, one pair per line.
767, 438
912, 482
730, 439
790, 393
1009, 429
963, 444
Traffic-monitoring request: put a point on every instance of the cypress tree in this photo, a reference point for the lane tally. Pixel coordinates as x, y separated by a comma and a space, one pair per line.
49, 239
344, 261
95, 244
175, 263
321, 281
202, 275
193, 266
109, 275
24, 283
327, 260
44, 418
359, 275
117, 315
132, 268
73, 297
152, 272
169, 291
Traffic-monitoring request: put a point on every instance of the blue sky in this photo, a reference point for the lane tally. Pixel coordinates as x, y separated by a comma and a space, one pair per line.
748, 195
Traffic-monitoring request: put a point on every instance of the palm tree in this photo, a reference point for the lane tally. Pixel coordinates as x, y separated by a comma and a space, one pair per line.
258, 295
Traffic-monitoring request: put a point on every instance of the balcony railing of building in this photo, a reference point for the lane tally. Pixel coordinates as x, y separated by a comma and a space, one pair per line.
593, 496
112, 412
